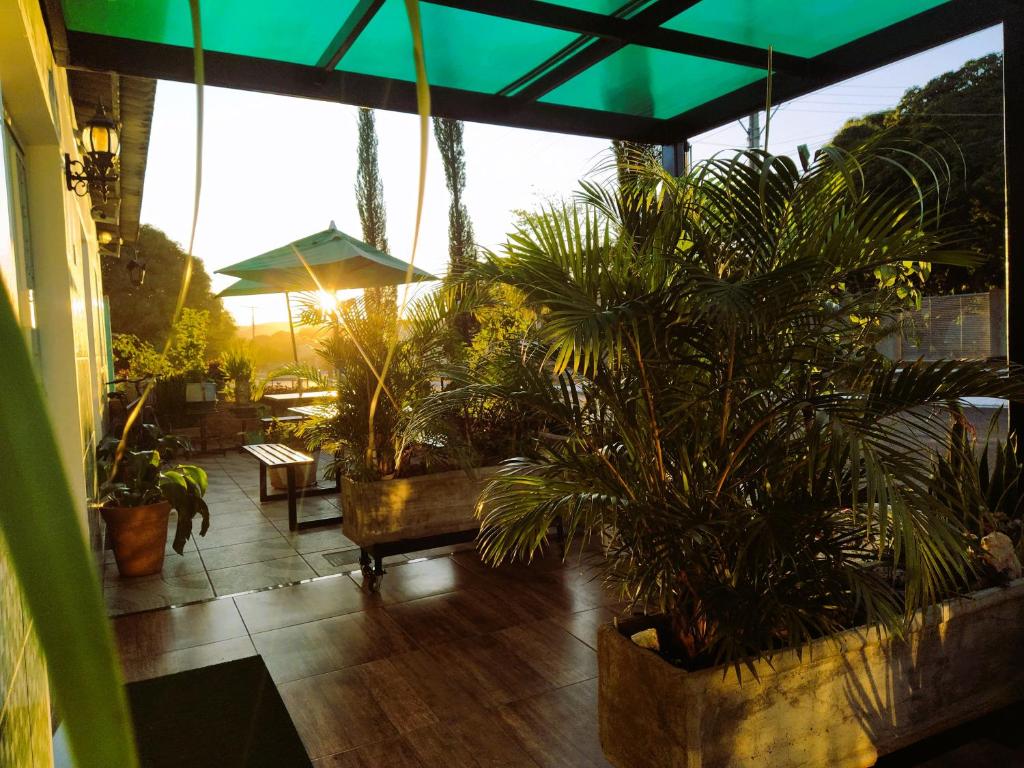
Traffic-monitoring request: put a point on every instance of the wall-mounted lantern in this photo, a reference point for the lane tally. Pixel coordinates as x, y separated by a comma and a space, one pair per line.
95, 173
136, 270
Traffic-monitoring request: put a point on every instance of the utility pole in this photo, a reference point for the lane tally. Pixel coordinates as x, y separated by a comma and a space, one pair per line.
753, 130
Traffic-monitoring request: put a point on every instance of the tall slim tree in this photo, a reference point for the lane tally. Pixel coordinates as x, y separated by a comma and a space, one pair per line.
461, 248
370, 200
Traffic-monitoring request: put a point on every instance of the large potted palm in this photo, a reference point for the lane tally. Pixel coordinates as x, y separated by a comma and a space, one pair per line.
763, 478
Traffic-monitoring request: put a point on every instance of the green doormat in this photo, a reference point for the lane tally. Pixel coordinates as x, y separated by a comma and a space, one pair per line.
226, 716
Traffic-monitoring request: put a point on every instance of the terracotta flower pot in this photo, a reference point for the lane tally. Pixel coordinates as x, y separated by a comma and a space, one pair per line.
138, 536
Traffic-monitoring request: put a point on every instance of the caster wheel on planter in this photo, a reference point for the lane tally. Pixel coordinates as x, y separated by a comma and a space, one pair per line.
371, 581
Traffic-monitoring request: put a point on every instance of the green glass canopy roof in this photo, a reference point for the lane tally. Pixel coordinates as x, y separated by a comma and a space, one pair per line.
649, 70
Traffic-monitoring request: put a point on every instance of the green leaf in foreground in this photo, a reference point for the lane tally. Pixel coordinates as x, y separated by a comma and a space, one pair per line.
54, 566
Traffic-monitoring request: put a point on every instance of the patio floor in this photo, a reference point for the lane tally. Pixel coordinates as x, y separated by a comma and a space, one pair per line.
247, 547
452, 664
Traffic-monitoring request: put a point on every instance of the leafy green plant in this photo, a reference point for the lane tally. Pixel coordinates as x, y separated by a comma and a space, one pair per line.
135, 358
983, 477
460, 423
139, 480
717, 410
238, 363
357, 344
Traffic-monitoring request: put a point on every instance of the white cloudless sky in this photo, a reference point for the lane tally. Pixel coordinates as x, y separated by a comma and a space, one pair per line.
276, 169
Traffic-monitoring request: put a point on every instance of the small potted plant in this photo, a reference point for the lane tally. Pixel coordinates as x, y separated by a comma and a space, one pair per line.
238, 366
136, 504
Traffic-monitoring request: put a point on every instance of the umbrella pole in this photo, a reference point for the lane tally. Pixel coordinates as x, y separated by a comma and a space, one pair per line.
291, 330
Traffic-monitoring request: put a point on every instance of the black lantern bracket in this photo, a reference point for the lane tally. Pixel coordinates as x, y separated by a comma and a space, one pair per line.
93, 174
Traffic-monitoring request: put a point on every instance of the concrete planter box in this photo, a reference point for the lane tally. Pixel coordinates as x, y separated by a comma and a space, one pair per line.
412, 508
840, 701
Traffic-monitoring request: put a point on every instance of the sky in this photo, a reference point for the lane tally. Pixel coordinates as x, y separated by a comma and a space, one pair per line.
276, 168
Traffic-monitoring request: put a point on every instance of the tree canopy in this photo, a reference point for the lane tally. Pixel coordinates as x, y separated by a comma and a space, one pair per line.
145, 311
955, 124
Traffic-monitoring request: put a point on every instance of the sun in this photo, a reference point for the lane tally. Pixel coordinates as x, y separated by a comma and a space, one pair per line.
328, 301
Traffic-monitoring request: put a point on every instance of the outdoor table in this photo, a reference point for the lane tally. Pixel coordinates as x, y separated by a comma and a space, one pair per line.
297, 398
278, 455
326, 411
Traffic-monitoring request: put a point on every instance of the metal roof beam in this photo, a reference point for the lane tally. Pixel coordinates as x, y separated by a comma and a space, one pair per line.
354, 25
643, 28
170, 62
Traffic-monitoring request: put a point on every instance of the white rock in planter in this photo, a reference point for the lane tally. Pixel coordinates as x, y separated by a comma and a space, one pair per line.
999, 554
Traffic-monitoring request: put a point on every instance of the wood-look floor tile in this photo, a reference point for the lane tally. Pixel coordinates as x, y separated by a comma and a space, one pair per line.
551, 651
155, 632
297, 604
158, 665
448, 699
444, 618
332, 713
482, 740
491, 667
392, 753
329, 644
407, 581
559, 728
349, 708
584, 624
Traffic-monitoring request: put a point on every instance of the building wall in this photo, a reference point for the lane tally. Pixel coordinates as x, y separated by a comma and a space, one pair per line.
50, 270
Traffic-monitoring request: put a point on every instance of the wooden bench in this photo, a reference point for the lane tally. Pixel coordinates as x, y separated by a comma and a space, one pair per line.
277, 455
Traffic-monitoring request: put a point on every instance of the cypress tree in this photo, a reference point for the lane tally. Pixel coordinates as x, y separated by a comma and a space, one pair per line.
461, 248
370, 201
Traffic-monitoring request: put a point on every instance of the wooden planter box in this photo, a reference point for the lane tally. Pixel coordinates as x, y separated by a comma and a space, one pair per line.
840, 701
412, 508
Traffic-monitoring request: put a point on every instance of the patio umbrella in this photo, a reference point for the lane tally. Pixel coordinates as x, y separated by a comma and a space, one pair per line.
329, 259
333, 260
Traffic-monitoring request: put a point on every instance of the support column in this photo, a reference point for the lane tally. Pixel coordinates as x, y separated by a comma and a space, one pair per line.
1013, 142
675, 158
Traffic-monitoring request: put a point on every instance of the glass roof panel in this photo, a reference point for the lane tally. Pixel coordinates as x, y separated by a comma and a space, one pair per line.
266, 29
466, 50
807, 30
651, 83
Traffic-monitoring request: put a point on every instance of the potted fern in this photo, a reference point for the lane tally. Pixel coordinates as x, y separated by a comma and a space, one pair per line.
136, 502
762, 477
